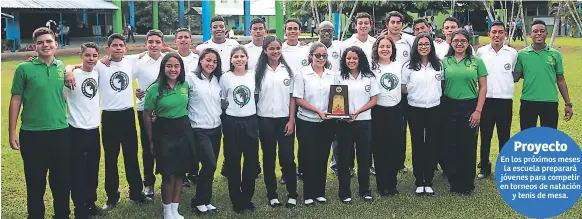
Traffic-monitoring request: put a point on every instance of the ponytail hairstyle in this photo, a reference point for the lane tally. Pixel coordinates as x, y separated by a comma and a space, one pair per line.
236, 49
263, 61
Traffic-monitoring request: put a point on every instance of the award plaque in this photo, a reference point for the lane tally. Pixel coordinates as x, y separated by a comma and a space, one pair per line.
338, 105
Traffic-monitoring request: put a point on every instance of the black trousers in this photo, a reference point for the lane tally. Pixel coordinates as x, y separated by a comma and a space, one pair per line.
272, 134
357, 132
315, 142
461, 142
85, 156
387, 144
241, 138
44, 151
207, 148
424, 133
149, 179
496, 112
530, 110
404, 105
118, 127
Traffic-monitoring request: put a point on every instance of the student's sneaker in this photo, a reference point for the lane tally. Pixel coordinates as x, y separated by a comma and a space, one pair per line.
283, 180
142, 199
347, 201
333, 170
428, 191
419, 190
148, 191
111, 203
211, 209
485, 171
291, 203
372, 171
404, 170
274, 203
185, 182
321, 200
367, 197
309, 202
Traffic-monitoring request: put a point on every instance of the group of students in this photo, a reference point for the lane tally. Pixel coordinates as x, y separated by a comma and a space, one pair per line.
268, 91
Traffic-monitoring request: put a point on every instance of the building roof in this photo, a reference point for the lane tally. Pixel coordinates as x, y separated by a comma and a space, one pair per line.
58, 4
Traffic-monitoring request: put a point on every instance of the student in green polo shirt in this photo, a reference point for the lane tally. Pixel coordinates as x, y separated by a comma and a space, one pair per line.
45, 141
465, 86
541, 68
169, 133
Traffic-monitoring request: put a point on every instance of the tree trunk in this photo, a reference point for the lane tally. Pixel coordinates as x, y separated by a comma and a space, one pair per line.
524, 31
576, 18
556, 26
511, 27
349, 19
330, 10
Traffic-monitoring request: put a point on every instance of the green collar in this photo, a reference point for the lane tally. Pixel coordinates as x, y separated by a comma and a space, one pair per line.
531, 49
37, 61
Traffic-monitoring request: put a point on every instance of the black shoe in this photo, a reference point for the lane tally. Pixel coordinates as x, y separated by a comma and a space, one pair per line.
276, 204
250, 206
352, 172
142, 199
111, 202
300, 176
94, 210
485, 171
372, 171
388, 192
479, 165
283, 180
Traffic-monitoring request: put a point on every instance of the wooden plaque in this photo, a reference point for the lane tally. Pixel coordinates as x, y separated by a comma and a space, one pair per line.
339, 104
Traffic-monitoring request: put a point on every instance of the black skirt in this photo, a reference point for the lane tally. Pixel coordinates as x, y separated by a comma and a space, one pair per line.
173, 146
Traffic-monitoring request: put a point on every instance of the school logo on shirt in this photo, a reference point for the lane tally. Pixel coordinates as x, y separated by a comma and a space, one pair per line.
551, 60
368, 88
389, 81
286, 82
184, 91
507, 66
305, 62
61, 75
241, 95
439, 77
335, 55
89, 88
119, 81
405, 53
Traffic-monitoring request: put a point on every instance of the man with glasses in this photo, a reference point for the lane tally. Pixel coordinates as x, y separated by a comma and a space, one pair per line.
499, 60
219, 42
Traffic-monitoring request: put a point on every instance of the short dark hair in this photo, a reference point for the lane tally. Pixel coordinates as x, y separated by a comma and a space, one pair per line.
257, 21
394, 14
181, 29
363, 15
418, 21
451, 19
217, 18
42, 31
538, 22
155, 32
497, 23
292, 20
87, 45
115, 36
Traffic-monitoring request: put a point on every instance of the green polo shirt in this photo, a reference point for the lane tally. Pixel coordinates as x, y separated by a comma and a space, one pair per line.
462, 78
41, 88
173, 104
540, 72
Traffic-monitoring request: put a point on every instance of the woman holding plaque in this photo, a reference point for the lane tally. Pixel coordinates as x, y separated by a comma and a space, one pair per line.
465, 86
241, 137
387, 116
276, 111
421, 79
311, 93
362, 90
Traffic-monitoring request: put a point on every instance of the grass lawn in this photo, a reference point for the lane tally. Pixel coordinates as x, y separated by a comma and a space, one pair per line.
484, 203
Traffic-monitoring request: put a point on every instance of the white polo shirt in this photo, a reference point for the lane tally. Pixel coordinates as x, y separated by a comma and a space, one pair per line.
423, 86
359, 92
83, 109
500, 70
275, 93
204, 101
223, 49
403, 47
254, 54
146, 72
190, 62
295, 56
239, 91
314, 89
115, 83
365, 46
388, 79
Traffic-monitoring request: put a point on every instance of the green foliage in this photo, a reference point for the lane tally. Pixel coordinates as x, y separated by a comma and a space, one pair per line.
167, 15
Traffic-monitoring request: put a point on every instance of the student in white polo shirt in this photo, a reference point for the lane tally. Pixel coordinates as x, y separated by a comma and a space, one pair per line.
311, 93
84, 119
145, 73
241, 130
276, 111
255, 47
387, 119
118, 120
362, 38
219, 42
362, 90
421, 79
499, 60
183, 39
294, 51
204, 110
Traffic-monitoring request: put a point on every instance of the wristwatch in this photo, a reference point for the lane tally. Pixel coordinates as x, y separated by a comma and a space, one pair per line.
568, 104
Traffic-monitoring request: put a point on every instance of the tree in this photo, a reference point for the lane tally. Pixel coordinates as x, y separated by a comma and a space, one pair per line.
167, 16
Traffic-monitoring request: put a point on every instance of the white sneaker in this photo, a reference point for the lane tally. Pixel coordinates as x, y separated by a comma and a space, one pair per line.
428, 190
309, 202
419, 190
174, 207
274, 202
211, 207
321, 199
148, 191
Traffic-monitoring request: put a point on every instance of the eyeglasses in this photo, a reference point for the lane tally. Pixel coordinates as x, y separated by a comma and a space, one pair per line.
425, 45
460, 41
319, 55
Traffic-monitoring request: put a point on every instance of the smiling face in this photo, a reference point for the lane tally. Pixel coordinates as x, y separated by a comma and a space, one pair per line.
45, 45
421, 28
90, 57
460, 43
326, 34
218, 30
363, 25
318, 57
292, 30
538, 33
423, 46
154, 44
273, 51
172, 69
384, 49
117, 49
239, 59
183, 40
352, 60
208, 63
